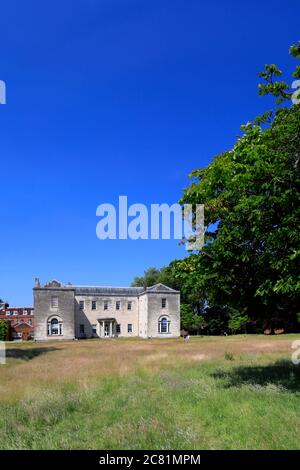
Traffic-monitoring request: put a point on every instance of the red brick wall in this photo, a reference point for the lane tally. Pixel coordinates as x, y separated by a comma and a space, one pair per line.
16, 321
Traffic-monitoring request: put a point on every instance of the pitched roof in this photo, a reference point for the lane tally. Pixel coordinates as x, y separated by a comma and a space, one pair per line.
160, 288
102, 290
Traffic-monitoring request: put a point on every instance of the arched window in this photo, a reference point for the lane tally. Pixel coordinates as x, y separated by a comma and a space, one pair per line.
164, 325
54, 327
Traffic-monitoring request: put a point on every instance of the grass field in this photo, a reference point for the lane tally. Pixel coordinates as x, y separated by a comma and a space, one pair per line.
239, 392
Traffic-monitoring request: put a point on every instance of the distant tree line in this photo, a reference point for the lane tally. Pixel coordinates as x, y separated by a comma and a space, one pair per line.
247, 276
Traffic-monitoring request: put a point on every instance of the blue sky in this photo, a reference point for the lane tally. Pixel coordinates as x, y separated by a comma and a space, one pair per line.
114, 97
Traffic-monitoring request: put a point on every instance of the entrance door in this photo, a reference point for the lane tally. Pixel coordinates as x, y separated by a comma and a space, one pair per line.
106, 330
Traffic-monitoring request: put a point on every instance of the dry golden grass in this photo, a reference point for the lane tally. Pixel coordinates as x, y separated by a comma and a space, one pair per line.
33, 367
210, 393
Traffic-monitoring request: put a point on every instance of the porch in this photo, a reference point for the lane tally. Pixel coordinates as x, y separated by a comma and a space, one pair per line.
107, 327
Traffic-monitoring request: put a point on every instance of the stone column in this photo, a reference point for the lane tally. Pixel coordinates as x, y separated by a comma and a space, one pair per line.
110, 329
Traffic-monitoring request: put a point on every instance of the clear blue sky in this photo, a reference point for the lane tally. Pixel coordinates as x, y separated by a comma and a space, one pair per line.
113, 97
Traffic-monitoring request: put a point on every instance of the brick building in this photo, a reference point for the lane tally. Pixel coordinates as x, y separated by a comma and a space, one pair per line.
20, 320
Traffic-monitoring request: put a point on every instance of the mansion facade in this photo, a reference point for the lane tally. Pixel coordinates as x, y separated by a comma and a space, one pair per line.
69, 312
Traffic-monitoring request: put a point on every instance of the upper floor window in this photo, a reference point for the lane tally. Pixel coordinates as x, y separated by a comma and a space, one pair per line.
25, 312
118, 305
129, 305
163, 303
15, 312
54, 301
105, 305
94, 304
7, 312
81, 304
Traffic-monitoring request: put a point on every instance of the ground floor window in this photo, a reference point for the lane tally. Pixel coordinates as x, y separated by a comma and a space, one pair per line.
129, 327
54, 327
118, 329
164, 325
94, 329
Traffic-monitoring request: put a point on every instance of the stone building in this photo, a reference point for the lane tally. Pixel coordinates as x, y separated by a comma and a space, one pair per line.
69, 312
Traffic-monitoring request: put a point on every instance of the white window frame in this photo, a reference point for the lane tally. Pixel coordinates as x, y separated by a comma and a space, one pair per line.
164, 321
50, 330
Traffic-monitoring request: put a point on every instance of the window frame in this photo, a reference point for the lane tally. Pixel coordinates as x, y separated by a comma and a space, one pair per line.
54, 305
164, 325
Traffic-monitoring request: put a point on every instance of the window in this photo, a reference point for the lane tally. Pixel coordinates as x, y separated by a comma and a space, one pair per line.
29, 322
94, 329
118, 329
94, 304
164, 325
163, 303
129, 327
81, 329
54, 327
15, 312
105, 305
7, 312
81, 304
25, 312
54, 301
129, 305
118, 304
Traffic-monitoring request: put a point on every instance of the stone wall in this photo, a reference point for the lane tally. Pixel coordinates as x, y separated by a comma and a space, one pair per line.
43, 312
123, 317
171, 311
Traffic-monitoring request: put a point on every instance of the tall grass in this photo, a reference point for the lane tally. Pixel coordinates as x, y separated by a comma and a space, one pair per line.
151, 395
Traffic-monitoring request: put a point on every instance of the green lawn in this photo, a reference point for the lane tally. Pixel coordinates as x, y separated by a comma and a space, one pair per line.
213, 393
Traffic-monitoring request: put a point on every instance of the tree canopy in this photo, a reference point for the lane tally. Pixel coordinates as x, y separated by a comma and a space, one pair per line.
248, 271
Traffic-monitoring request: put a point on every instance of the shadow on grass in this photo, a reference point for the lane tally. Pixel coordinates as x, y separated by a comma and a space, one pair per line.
28, 354
282, 374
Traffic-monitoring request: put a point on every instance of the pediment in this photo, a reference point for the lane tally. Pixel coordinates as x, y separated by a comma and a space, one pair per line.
54, 283
160, 288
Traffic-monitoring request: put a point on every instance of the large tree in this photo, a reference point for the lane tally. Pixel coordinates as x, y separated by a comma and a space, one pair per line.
247, 276
251, 260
